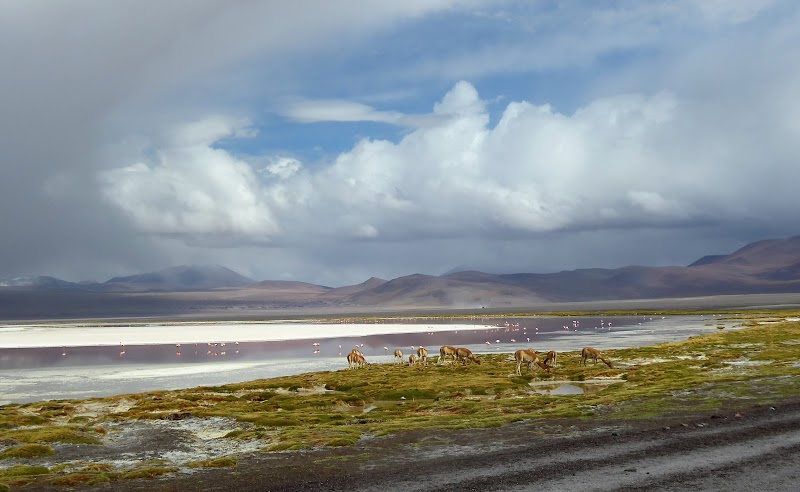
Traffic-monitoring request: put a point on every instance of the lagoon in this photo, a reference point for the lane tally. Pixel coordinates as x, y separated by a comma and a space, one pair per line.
69, 360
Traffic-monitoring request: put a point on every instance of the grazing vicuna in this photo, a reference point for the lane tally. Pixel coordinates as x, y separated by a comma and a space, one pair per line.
447, 351
355, 360
412, 359
551, 360
398, 356
529, 357
593, 353
465, 354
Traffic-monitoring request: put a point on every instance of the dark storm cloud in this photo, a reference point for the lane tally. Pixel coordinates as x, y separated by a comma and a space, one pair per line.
71, 67
113, 162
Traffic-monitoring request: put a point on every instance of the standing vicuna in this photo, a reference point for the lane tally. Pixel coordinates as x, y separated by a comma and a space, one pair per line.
412, 359
398, 356
593, 353
529, 357
422, 355
465, 354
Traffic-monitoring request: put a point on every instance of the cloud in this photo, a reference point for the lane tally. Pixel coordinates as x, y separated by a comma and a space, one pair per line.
191, 188
283, 167
547, 37
733, 11
80, 77
527, 175
536, 171
661, 124
334, 110
317, 111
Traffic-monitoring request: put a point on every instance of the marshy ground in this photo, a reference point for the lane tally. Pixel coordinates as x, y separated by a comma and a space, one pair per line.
674, 413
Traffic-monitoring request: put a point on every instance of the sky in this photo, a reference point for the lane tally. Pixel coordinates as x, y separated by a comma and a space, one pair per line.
331, 141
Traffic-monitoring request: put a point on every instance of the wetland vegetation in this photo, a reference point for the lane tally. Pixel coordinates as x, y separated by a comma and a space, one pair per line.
62, 442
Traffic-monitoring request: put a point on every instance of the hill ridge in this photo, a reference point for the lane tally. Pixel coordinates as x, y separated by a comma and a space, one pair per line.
761, 267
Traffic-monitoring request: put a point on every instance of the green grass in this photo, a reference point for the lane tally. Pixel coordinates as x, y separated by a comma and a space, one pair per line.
147, 472
51, 434
20, 475
27, 451
223, 462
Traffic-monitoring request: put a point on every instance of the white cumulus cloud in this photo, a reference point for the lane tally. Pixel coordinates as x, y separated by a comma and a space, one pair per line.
191, 188
535, 171
283, 167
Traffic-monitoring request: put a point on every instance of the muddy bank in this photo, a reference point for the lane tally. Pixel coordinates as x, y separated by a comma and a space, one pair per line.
734, 450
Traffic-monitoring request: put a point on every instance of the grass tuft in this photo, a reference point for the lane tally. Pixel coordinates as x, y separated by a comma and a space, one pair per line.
27, 451
223, 462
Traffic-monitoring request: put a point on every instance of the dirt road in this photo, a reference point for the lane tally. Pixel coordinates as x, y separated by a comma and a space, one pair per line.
754, 449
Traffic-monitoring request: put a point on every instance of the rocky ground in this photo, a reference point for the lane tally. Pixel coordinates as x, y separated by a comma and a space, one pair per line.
756, 448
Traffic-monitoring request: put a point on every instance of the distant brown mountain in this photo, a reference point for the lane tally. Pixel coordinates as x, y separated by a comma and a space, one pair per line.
341, 292
773, 260
290, 287
770, 266
763, 267
180, 278
429, 291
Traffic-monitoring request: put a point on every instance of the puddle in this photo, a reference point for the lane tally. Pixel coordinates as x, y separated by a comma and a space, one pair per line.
572, 387
563, 389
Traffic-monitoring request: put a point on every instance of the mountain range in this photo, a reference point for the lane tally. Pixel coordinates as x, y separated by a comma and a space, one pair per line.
769, 266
